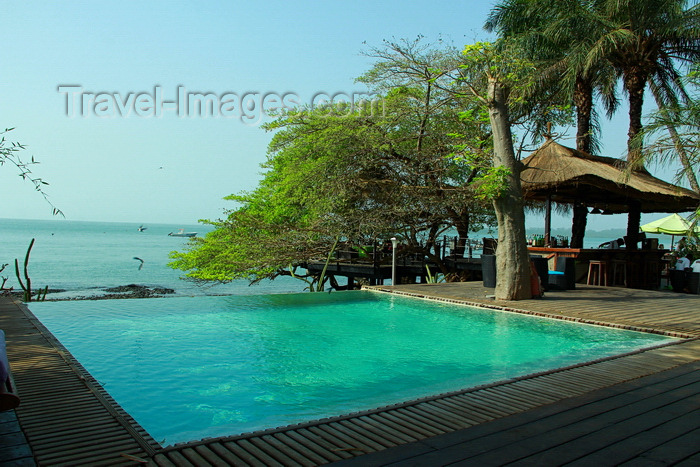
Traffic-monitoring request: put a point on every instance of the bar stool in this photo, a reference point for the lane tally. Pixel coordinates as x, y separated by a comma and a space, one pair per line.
619, 271
597, 270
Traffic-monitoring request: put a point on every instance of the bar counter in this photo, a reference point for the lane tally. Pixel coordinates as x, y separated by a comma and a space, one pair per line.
643, 268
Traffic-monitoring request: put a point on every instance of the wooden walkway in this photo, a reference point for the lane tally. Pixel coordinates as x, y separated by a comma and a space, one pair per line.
66, 416
649, 421
69, 420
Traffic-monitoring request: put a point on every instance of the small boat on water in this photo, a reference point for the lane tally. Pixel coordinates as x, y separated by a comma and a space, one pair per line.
182, 233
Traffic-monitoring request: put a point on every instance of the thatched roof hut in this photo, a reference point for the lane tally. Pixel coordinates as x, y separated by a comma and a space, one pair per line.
571, 176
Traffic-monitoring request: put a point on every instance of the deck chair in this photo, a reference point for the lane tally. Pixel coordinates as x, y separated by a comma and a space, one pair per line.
8, 397
564, 276
490, 245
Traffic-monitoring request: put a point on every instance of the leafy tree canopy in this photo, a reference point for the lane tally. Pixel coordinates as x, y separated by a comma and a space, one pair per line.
411, 163
673, 131
400, 166
10, 155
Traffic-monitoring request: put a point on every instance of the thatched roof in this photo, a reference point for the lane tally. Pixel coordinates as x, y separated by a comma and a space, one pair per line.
572, 176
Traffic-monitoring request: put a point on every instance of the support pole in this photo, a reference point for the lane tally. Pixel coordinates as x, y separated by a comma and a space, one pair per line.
393, 260
548, 221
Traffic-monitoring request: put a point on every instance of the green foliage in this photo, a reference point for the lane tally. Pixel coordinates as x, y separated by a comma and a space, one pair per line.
556, 35
493, 183
4, 279
26, 285
673, 132
584, 48
9, 154
329, 178
433, 279
342, 173
503, 61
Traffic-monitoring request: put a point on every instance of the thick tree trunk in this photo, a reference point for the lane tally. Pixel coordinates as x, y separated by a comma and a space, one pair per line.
583, 100
512, 259
633, 221
635, 82
578, 226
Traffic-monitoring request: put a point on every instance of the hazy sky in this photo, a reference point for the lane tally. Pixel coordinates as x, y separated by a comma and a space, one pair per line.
95, 91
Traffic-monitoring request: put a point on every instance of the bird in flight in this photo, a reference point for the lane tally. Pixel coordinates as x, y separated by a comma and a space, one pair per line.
139, 259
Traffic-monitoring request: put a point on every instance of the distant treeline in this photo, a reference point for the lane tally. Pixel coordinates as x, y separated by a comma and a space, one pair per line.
566, 232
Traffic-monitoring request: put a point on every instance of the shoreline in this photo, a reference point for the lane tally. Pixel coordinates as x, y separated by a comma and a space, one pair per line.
108, 293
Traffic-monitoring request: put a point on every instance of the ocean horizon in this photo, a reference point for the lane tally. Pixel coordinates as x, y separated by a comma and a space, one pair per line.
83, 258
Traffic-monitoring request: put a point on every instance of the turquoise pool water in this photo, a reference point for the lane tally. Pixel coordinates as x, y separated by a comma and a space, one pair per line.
187, 368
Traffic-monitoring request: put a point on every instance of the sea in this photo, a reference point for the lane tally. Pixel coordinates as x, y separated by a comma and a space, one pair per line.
82, 259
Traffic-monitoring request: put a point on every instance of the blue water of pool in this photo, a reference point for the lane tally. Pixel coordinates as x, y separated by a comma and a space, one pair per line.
192, 367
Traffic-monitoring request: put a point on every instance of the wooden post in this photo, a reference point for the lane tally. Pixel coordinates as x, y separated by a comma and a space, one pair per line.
548, 221
394, 242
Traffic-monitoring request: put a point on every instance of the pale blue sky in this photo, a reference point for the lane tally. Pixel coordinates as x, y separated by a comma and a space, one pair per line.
176, 169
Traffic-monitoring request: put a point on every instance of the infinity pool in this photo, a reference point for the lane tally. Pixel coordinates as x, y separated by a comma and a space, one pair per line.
187, 368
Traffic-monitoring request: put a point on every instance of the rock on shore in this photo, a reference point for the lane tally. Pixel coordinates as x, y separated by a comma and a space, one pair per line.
122, 291
137, 291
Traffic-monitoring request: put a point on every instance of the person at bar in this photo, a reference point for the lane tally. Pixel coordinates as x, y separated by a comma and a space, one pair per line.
683, 262
612, 245
696, 265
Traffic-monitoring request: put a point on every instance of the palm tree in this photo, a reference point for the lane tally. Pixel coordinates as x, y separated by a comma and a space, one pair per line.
540, 30
557, 35
681, 122
646, 41
671, 117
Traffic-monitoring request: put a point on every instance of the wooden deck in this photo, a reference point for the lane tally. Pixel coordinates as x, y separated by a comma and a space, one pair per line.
645, 310
69, 420
66, 416
649, 421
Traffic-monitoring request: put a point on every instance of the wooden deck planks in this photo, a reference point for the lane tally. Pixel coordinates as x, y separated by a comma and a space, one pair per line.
407, 433
308, 453
575, 441
14, 449
677, 438
468, 416
64, 414
416, 422
607, 427
315, 443
245, 456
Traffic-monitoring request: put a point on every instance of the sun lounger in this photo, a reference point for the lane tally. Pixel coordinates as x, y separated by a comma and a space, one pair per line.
8, 398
